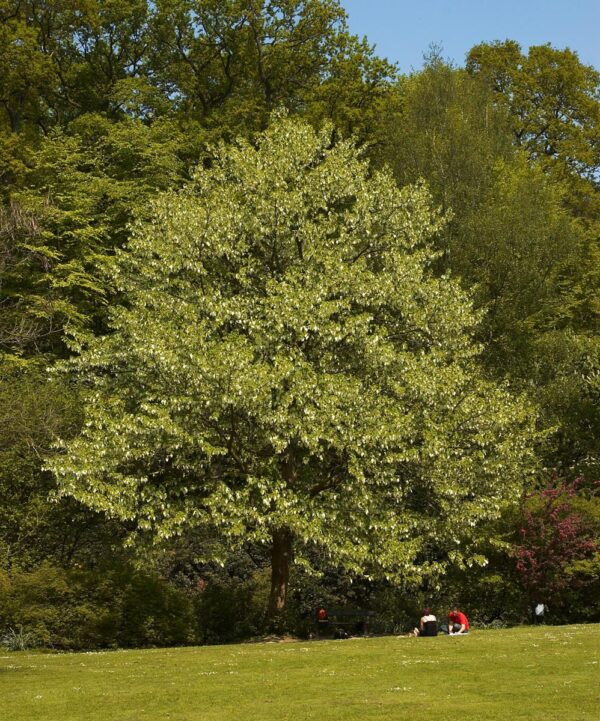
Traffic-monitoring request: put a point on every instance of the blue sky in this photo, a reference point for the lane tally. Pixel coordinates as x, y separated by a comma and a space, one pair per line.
402, 31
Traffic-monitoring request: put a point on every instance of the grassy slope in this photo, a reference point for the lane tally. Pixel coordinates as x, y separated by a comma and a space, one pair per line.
541, 674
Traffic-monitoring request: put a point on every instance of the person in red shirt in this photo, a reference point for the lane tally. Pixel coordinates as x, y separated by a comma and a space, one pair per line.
322, 618
458, 623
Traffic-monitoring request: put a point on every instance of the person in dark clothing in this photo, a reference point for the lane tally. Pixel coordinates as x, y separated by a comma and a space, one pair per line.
427, 624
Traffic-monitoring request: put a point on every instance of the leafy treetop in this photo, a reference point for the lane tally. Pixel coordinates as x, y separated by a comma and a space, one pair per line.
287, 370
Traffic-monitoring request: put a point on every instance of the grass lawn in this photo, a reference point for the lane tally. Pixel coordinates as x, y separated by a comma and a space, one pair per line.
540, 674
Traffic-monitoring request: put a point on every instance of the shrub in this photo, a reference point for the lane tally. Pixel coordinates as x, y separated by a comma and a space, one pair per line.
230, 607
84, 609
18, 640
557, 554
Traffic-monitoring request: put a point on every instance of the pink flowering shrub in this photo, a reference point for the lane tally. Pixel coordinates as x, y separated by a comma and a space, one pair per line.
556, 535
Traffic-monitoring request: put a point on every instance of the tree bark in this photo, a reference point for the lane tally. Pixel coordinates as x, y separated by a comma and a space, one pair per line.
281, 559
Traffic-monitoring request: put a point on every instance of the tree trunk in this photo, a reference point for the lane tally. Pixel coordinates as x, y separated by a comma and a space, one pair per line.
281, 559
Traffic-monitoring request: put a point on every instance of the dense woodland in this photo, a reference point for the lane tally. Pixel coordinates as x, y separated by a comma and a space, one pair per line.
239, 184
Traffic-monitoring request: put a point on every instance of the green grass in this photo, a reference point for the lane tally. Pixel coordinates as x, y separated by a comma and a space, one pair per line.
542, 674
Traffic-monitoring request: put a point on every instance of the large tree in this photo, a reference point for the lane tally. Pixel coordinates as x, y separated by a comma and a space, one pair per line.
228, 64
554, 105
287, 370
103, 103
513, 238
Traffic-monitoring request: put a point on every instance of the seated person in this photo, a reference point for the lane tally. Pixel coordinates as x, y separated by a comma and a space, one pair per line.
322, 619
458, 623
427, 624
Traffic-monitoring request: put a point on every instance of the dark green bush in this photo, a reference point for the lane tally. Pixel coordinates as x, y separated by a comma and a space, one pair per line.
231, 607
83, 609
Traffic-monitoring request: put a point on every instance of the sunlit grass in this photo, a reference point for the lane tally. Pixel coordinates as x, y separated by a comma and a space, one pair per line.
538, 674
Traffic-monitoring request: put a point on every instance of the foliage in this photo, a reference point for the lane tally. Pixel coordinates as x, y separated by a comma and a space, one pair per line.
104, 105
33, 411
442, 125
121, 123
510, 237
556, 537
230, 603
545, 550
18, 640
64, 59
554, 106
513, 238
219, 66
566, 372
80, 192
230, 64
103, 608
524, 253
287, 368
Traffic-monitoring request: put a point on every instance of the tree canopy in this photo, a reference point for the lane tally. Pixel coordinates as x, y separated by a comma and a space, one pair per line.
288, 370
108, 110
553, 99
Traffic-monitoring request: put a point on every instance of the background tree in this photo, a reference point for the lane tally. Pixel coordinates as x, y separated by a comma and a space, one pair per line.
33, 411
228, 65
514, 238
80, 191
553, 100
442, 124
288, 371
